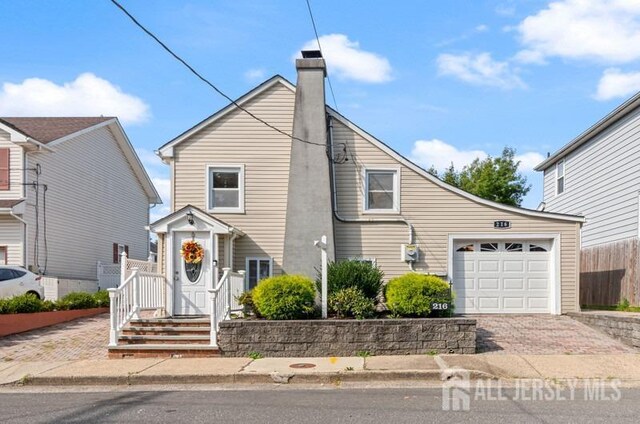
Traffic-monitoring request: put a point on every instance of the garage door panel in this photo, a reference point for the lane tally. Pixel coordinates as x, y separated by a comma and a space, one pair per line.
538, 284
513, 283
488, 265
513, 266
502, 280
512, 303
488, 283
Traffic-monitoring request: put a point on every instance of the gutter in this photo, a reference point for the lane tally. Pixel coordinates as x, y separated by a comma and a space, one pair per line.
334, 198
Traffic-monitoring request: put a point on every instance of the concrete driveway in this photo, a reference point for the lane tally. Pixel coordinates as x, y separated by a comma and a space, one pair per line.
541, 335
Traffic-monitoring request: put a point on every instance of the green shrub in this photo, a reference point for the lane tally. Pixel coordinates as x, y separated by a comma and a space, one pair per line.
76, 300
47, 306
351, 302
101, 299
412, 294
24, 304
363, 275
246, 300
284, 297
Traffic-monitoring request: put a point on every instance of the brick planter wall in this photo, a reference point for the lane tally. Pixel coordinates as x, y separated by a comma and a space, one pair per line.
347, 337
619, 325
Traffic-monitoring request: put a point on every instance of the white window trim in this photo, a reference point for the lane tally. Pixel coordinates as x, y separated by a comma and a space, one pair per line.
396, 189
256, 258
374, 261
208, 188
564, 178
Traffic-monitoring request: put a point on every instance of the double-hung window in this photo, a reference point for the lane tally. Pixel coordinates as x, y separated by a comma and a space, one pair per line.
225, 191
382, 191
258, 269
560, 177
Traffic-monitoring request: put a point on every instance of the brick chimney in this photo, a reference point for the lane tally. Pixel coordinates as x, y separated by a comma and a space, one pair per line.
309, 207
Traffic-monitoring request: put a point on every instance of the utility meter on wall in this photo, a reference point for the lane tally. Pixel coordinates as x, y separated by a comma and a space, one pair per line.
409, 252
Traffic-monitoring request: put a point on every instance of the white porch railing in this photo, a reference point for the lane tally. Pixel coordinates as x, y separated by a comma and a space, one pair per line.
222, 299
112, 275
139, 291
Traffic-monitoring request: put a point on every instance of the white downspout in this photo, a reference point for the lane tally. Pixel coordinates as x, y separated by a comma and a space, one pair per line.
358, 220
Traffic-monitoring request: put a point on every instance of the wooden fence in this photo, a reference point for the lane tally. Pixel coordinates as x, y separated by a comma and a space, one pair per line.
610, 273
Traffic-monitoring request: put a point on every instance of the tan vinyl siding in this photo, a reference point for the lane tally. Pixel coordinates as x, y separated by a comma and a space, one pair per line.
93, 200
435, 213
15, 162
161, 254
11, 234
239, 139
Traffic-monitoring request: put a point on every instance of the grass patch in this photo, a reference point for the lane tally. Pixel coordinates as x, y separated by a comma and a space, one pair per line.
255, 355
363, 353
622, 306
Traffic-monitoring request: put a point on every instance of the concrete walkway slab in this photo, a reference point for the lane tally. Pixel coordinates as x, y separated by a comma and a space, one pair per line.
197, 366
504, 366
404, 363
586, 366
20, 370
320, 365
103, 368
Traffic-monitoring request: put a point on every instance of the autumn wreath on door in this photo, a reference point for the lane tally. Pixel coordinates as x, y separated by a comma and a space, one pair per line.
192, 254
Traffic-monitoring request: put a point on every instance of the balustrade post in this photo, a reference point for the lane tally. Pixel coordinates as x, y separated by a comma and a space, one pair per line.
123, 267
135, 281
113, 318
213, 334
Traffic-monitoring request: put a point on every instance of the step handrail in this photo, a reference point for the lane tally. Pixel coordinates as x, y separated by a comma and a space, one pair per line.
220, 301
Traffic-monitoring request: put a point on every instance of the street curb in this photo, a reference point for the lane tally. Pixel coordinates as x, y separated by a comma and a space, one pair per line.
248, 378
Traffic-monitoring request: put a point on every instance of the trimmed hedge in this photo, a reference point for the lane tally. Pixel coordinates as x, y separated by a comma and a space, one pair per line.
284, 297
412, 294
29, 303
364, 276
351, 302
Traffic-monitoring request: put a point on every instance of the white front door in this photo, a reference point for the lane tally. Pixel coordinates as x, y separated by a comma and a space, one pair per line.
502, 276
191, 282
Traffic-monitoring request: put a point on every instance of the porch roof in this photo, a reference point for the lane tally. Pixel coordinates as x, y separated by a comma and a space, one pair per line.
162, 225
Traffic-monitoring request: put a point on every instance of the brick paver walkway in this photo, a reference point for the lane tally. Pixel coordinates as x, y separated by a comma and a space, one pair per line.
542, 335
84, 338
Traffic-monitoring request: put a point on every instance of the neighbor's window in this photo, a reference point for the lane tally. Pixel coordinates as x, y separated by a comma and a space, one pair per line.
3, 255
226, 189
5, 170
258, 269
382, 191
560, 177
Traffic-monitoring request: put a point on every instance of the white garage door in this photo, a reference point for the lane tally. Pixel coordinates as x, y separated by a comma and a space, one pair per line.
509, 276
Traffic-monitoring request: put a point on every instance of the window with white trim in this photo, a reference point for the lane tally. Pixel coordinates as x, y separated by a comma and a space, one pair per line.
560, 177
258, 269
225, 188
371, 261
382, 191
3, 255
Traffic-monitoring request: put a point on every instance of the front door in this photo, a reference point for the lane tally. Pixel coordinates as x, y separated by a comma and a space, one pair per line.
191, 276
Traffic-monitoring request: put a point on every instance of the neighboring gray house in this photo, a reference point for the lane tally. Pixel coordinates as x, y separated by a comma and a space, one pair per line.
72, 193
597, 175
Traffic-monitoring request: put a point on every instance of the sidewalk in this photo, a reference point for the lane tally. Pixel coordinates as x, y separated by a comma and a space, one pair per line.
625, 367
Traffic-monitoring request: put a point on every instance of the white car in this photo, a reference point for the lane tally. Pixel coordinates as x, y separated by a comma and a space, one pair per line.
15, 280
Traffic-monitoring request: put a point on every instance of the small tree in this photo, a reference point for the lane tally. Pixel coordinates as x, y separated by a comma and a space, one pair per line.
495, 179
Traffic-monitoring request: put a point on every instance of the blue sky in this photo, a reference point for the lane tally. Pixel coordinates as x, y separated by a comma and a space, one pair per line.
438, 81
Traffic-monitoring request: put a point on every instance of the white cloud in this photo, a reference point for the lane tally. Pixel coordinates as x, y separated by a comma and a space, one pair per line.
481, 28
530, 57
87, 95
479, 69
255, 75
439, 154
346, 60
528, 161
606, 31
615, 83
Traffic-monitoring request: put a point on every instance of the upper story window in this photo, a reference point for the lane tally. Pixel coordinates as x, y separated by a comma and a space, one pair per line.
4, 169
225, 192
382, 191
560, 177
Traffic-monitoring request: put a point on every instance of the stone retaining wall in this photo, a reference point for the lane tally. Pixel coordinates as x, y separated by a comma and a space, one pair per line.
620, 325
347, 337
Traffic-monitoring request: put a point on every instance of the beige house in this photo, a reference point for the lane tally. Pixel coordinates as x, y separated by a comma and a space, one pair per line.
256, 199
73, 193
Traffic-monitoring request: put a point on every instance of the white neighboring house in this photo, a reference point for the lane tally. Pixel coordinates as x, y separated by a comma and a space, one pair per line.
73, 193
597, 174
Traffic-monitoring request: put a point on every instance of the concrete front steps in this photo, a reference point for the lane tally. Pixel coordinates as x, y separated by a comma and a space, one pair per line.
176, 337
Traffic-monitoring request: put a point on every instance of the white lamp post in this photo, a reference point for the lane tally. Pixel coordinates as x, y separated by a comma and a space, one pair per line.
322, 245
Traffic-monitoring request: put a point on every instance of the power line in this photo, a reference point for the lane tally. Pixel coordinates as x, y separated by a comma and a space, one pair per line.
205, 80
315, 30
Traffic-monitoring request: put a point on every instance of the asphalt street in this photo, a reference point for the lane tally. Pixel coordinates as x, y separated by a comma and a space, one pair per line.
308, 406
